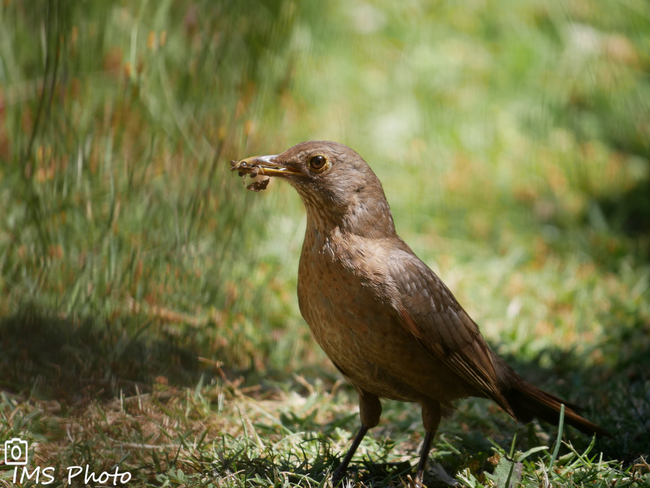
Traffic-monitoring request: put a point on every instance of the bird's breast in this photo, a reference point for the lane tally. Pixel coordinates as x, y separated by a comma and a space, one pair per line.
349, 319
331, 291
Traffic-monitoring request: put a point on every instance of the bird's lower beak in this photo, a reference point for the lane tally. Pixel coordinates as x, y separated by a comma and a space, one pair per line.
262, 165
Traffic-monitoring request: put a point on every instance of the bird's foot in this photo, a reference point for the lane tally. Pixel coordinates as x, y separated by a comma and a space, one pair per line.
417, 482
441, 475
438, 472
337, 478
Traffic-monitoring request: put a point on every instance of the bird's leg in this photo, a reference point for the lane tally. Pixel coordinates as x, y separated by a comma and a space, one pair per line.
343, 467
369, 411
430, 418
424, 454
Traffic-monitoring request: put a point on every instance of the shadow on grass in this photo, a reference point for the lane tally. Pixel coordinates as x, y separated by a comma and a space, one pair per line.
628, 214
614, 396
75, 360
310, 460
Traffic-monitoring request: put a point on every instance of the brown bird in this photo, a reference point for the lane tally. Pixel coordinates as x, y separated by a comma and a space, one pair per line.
386, 321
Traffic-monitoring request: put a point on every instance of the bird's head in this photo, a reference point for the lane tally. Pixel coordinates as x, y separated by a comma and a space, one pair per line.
336, 185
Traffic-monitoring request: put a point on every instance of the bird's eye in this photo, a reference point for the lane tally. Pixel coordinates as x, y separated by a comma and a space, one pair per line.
317, 162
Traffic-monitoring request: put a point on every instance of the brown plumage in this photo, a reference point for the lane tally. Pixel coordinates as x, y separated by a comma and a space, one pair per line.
386, 321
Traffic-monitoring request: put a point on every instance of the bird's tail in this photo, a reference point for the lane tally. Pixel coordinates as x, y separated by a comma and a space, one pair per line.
528, 402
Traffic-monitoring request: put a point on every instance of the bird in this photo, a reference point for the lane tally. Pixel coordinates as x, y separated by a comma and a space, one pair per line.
388, 323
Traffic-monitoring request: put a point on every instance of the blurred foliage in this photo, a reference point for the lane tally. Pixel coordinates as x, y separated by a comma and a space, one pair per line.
116, 127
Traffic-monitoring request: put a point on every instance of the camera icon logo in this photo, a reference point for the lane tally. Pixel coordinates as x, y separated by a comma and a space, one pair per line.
16, 452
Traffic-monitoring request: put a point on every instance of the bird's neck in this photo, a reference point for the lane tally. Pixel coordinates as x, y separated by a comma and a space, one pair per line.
360, 220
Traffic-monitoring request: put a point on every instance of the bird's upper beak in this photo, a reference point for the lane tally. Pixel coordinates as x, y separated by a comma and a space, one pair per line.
263, 165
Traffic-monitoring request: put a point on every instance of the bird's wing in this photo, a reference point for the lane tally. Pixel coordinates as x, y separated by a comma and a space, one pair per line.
433, 315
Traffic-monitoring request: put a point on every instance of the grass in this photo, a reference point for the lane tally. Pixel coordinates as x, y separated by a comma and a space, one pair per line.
148, 319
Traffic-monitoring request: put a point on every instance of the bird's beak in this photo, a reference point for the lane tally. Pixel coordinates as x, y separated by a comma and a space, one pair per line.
262, 165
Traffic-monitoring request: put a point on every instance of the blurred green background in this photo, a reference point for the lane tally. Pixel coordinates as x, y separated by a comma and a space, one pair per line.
512, 139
